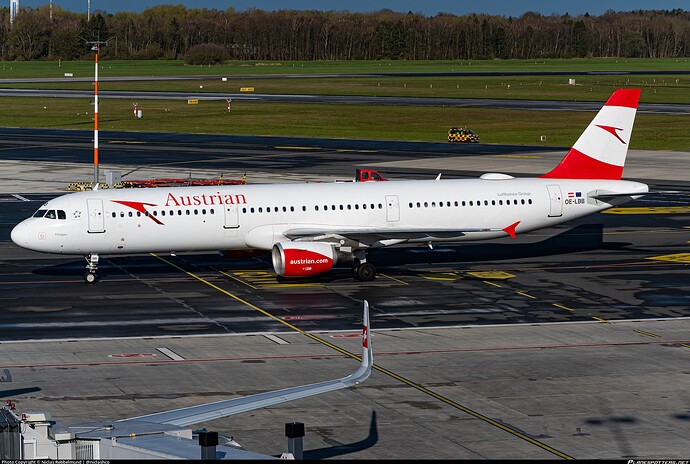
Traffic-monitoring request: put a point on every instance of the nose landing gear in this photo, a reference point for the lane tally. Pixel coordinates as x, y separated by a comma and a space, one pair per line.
90, 276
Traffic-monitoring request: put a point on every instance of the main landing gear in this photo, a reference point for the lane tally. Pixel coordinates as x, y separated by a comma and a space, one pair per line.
90, 276
363, 271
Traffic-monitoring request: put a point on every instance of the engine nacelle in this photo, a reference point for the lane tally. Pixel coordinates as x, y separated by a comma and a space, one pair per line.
302, 259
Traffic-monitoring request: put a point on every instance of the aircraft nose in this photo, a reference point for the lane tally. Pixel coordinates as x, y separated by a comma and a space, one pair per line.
19, 235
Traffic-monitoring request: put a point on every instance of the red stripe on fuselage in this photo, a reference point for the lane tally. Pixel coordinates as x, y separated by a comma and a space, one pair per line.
625, 97
577, 165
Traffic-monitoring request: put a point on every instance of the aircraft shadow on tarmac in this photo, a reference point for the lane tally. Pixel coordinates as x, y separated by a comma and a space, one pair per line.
18, 392
340, 449
585, 237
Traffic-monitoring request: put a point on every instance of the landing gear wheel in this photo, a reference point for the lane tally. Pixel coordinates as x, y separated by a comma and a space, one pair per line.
90, 277
365, 272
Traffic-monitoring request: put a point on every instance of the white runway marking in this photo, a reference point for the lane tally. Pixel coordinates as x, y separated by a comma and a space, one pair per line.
278, 340
19, 197
171, 354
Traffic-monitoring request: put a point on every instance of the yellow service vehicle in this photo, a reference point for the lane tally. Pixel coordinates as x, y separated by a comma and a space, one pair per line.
462, 134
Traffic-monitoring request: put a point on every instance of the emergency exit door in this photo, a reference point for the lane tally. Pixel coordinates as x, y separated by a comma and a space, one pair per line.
555, 200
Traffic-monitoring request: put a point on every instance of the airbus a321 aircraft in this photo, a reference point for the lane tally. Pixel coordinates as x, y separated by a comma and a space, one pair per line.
312, 227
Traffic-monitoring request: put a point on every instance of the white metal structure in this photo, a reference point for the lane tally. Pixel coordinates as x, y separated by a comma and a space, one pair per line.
311, 227
161, 435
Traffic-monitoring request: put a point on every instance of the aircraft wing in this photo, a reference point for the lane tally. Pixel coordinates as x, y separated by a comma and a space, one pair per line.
205, 412
379, 234
365, 234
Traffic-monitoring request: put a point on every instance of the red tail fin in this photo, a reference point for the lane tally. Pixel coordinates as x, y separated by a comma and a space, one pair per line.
600, 151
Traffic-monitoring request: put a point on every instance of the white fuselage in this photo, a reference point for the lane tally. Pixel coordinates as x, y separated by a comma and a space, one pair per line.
126, 221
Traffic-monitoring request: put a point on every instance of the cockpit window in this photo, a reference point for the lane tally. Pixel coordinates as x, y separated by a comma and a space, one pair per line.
50, 214
61, 214
40, 213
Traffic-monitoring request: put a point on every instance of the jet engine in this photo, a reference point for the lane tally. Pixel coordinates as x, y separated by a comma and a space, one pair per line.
302, 259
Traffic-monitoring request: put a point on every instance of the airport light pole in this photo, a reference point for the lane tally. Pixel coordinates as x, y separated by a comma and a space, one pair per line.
95, 47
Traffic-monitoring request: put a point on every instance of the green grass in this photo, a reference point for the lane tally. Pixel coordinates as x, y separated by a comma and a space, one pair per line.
360, 121
16, 69
335, 121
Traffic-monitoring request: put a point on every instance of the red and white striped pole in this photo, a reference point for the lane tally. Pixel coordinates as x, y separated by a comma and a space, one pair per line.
95, 120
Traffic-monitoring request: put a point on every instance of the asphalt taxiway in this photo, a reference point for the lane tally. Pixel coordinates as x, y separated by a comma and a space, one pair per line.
516, 104
567, 342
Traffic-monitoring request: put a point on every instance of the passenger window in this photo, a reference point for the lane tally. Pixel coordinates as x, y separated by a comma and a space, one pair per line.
122, 214
356, 206
40, 213
189, 212
130, 214
139, 214
162, 212
114, 214
292, 209
211, 211
304, 208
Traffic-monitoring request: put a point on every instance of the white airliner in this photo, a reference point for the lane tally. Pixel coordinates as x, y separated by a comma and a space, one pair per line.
311, 227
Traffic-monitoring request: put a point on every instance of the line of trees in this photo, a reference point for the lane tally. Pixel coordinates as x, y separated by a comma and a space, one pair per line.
169, 31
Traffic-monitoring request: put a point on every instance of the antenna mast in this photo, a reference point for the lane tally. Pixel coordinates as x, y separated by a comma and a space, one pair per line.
95, 47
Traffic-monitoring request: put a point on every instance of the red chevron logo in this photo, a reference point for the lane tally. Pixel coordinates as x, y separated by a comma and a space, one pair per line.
139, 206
612, 130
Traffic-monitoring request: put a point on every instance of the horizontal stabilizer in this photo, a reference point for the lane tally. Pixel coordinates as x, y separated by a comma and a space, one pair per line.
622, 194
